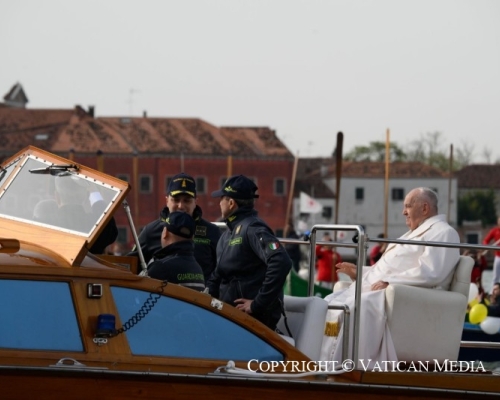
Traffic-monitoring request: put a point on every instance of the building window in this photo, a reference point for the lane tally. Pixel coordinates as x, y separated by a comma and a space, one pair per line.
472, 237
41, 136
123, 177
122, 235
327, 212
279, 187
145, 183
398, 194
360, 194
201, 185
167, 182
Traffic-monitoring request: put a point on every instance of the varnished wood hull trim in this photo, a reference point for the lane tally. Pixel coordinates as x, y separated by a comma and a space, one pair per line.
49, 383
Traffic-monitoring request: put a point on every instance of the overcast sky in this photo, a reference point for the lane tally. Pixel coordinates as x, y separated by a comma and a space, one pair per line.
306, 69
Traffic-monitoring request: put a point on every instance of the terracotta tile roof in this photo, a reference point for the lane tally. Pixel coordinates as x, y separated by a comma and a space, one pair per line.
312, 171
62, 130
479, 176
251, 141
20, 127
310, 177
308, 167
313, 165
85, 134
170, 135
400, 169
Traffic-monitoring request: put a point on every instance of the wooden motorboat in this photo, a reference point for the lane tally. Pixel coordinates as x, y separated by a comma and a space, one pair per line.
75, 325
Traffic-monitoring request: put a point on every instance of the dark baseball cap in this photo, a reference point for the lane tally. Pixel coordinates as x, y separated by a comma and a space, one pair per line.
182, 184
180, 224
238, 187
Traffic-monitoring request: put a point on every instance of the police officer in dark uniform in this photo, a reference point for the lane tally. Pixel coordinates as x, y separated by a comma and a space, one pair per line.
175, 261
181, 196
252, 266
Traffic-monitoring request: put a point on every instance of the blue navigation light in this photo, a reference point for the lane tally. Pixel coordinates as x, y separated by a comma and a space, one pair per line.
105, 325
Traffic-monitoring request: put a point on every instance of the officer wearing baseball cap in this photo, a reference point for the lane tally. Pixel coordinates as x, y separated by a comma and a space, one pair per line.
252, 265
182, 184
238, 187
180, 224
175, 261
181, 196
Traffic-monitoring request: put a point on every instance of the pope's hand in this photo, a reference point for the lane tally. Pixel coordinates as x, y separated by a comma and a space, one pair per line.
379, 285
347, 268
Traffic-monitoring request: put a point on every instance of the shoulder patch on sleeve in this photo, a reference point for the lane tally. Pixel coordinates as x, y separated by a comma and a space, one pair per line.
274, 245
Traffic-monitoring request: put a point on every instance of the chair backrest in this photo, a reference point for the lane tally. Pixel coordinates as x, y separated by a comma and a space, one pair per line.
306, 318
461, 278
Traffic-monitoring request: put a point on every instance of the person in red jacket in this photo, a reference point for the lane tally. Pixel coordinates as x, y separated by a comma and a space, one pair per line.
494, 236
480, 264
326, 259
377, 250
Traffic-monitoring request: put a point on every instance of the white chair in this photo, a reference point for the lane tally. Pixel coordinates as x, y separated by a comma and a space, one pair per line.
306, 318
427, 324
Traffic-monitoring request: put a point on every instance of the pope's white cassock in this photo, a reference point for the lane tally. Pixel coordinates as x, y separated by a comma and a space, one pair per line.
424, 266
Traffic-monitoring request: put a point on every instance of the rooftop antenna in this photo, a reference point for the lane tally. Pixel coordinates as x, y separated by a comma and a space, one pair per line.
130, 101
309, 145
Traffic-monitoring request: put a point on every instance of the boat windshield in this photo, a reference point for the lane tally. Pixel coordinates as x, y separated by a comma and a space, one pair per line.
6, 170
54, 196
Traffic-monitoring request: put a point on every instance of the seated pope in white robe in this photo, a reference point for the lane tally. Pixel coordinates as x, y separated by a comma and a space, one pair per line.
424, 266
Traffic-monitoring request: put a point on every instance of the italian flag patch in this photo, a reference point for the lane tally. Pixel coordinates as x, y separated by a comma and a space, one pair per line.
274, 246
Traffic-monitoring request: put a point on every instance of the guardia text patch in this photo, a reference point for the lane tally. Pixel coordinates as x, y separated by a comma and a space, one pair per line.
238, 240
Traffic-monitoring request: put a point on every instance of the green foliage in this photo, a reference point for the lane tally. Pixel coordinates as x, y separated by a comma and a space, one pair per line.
477, 205
375, 151
428, 149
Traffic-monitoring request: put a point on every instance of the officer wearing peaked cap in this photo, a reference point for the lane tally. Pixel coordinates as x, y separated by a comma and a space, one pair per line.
252, 266
181, 196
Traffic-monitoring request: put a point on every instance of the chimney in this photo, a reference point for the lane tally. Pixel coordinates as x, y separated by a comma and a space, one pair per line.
79, 111
91, 111
144, 114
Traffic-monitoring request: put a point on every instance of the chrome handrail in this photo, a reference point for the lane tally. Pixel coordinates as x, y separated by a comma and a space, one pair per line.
479, 345
359, 269
346, 319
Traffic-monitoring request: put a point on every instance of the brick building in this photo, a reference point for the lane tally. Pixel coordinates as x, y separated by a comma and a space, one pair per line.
147, 152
